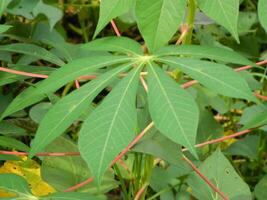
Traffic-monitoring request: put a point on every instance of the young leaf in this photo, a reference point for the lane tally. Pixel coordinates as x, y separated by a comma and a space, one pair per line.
224, 12
262, 7
111, 9
221, 173
59, 78
32, 50
114, 44
216, 77
158, 20
111, 126
173, 110
200, 51
69, 108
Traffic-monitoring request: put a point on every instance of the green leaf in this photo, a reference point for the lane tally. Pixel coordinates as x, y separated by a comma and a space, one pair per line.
59, 78
114, 44
52, 13
172, 109
3, 6
258, 119
217, 77
18, 186
69, 108
260, 189
66, 171
201, 51
262, 7
224, 12
111, 9
12, 143
4, 28
38, 111
111, 126
158, 20
33, 50
221, 173
10, 129
161, 147
247, 147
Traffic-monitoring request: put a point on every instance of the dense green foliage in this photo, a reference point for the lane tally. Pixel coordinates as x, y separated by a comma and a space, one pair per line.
141, 82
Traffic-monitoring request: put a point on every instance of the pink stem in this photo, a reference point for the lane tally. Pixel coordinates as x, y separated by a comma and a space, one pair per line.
204, 178
140, 192
115, 28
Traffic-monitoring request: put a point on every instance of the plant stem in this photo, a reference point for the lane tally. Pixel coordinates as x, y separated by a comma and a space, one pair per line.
123, 186
67, 89
190, 19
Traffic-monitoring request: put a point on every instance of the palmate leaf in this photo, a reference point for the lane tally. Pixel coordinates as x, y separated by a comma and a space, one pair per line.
111, 9
32, 50
18, 186
221, 173
69, 108
59, 78
262, 7
201, 51
158, 20
111, 126
173, 110
114, 44
217, 77
224, 12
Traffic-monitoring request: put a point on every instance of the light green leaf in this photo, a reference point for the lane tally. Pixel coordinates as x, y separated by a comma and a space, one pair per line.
69, 108
4, 28
66, 171
224, 12
217, 77
52, 13
3, 6
201, 51
260, 189
173, 110
262, 7
111, 9
59, 78
18, 186
38, 111
111, 126
258, 119
12, 143
33, 50
158, 20
114, 44
221, 173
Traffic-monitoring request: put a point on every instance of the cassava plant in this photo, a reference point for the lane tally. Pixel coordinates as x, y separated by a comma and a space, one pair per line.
147, 117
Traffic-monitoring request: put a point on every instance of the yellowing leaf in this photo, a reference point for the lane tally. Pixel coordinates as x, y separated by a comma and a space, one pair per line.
30, 170
225, 144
